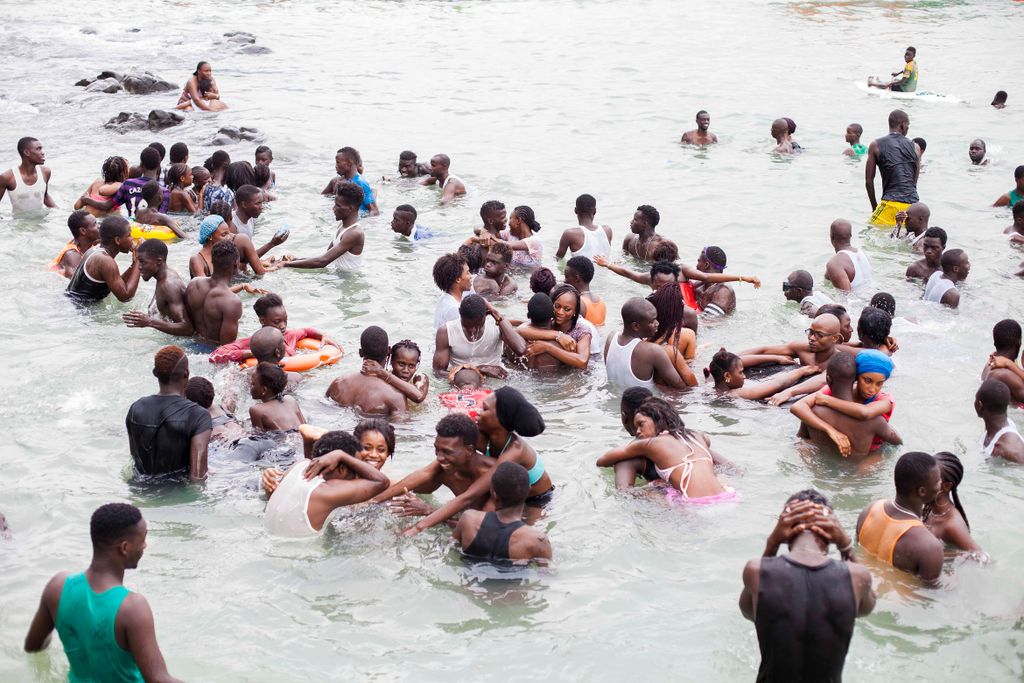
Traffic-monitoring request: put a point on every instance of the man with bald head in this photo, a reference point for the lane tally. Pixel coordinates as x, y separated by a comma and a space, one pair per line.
976, 152
849, 269
941, 287
1001, 438
700, 136
915, 220
368, 393
267, 345
932, 243
783, 139
896, 159
816, 349
799, 287
856, 149
451, 186
630, 360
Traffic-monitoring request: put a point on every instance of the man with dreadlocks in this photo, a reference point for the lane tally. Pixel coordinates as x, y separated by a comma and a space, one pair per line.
167, 433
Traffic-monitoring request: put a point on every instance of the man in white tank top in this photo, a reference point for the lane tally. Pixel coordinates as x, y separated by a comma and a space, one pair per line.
633, 362
941, 287
28, 183
588, 239
451, 186
849, 269
476, 338
1001, 438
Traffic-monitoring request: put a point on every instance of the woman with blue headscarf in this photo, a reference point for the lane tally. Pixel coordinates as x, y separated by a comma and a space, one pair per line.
873, 369
215, 228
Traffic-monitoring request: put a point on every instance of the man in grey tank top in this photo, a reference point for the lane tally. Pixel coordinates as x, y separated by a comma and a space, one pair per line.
803, 604
896, 159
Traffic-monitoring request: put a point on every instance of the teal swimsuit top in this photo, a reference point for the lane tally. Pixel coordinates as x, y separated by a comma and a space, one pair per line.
859, 149
1015, 197
535, 472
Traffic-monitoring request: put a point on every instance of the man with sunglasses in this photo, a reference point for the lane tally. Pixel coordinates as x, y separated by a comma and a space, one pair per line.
799, 286
816, 349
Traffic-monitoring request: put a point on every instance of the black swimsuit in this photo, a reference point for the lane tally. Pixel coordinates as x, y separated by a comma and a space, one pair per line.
492, 539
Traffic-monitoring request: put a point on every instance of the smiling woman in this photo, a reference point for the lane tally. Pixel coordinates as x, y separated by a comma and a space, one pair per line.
201, 91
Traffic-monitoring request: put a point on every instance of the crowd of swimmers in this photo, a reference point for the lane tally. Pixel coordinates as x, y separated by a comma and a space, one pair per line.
834, 384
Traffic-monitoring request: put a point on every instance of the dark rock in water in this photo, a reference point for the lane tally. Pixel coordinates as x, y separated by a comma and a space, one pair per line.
220, 140
240, 37
229, 134
88, 31
84, 82
134, 30
255, 50
144, 83
158, 119
116, 75
107, 85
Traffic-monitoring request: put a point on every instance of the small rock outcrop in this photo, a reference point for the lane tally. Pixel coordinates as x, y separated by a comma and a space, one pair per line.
158, 119
135, 82
230, 134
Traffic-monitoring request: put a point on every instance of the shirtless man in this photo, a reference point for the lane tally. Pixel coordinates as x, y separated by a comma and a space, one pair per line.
700, 136
852, 436
169, 296
28, 183
892, 530
85, 234
97, 275
409, 168
941, 287
783, 140
367, 393
501, 535
495, 280
630, 360
213, 308
976, 152
849, 269
641, 235
819, 346
267, 345
915, 220
588, 238
495, 220
1001, 438
451, 186
932, 244
1002, 364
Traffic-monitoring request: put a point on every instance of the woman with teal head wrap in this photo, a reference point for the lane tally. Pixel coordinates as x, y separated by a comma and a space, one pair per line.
201, 262
208, 227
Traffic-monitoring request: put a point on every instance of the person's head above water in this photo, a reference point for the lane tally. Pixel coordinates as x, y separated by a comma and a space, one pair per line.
467, 377
263, 155
999, 101
853, 133
976, 151
118, 533
116, 231
450, 269
348, 197
407, 164
225, 258
909, 54
873, 370
497, 259
540, 310
663, 272
200, 391
149, 159
376, 441
1018, 213
515, 413
473, 311
579, 270
873, 327
586, 206
917, 478
267, 344
210, 225
951, 470
510, 485
543, 281
152, 256
81, 223
726, 369
824, 333
841, 372
798, 285
31, 150
455, 442
170, 366
703, 121
992, 399
655, 416
336, 440
639, 318
840, 232
153, 194
493, 215
268, 381
439, 165
932, 244
955, 264
712, 259
373, 344
885, 302
632, 398
524, 216
780, 129
1006, 336
661, 249
403, 220
899, 122
271, 312
645, 219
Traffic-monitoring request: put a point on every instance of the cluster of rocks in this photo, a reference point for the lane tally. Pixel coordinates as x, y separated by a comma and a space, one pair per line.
135, 82
229, 134
246, 43
158, 119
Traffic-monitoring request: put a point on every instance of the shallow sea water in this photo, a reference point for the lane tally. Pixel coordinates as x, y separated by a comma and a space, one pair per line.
535, 102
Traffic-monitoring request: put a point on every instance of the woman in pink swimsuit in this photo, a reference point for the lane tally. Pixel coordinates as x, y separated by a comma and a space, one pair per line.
201, 91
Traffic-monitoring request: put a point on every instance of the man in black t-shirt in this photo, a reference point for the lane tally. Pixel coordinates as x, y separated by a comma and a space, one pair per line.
167, 433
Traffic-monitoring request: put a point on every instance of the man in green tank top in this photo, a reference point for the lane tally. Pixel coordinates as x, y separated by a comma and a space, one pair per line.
107, 631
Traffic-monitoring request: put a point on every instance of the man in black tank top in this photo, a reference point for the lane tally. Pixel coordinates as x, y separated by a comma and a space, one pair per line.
97, 275
502, 536
897, 160
803, 604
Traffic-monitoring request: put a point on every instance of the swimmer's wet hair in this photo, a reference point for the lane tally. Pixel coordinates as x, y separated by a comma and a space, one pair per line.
489, 207
217, 160
721, 363
153, 249
263, 149
382, 427
114, 169
160, 149
113, 227
582, 266
200, 391
473, 255
951, 257
664, 250
511, 483
153, 193
809, 494
199, 66
350, 193
261, 173
586, 205
922, 143
994, 396
841, 367
665, 267
238, 174
633, 397
170, 363
1006, 335
179, 152
838, 310
225, 256
668, 302
406, 208
884, 301
503, 250
459, 425
448, 269
175, 174
247, 193
406, 345
472, 307
664, 415
335, 440
149, 159
857, 128
112, 523
23, 144
272, 377
527, 216
540, 310
1018, 172
560, 290
221, 208
352, 154
267, 302
1000, 97
650, 214
939, 233
716, 255
912, 470
874, 326
77, 220
407, 155
952, 471
702, 111
790, 123
373, 344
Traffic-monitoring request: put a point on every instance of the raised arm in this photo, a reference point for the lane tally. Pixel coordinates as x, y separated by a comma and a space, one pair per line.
641, 278
370, 482
694, 274
122, 286
509, 334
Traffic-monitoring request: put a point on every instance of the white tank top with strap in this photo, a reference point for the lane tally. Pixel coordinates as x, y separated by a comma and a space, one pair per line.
1010, 428
861, 268
936, 287
27, 198
287, 511
595, 243
619, 364
348, 260
484, 351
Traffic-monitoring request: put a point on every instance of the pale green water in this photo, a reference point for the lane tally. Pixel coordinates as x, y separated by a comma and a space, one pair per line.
535, 102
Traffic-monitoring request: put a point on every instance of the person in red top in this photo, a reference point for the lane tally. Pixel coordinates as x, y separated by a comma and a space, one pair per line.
271, 313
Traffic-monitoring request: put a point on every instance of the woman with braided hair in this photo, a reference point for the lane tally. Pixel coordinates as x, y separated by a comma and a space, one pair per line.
114, 170
405, 360
679, 341
946, 518
527, 250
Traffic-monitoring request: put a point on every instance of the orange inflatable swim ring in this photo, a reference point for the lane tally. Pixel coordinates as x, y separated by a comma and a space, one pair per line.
303, 362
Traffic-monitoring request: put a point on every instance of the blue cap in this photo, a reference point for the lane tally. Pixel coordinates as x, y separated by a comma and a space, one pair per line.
209, 226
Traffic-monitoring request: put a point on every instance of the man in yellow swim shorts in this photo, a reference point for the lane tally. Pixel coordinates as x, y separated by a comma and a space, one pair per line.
895, 157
